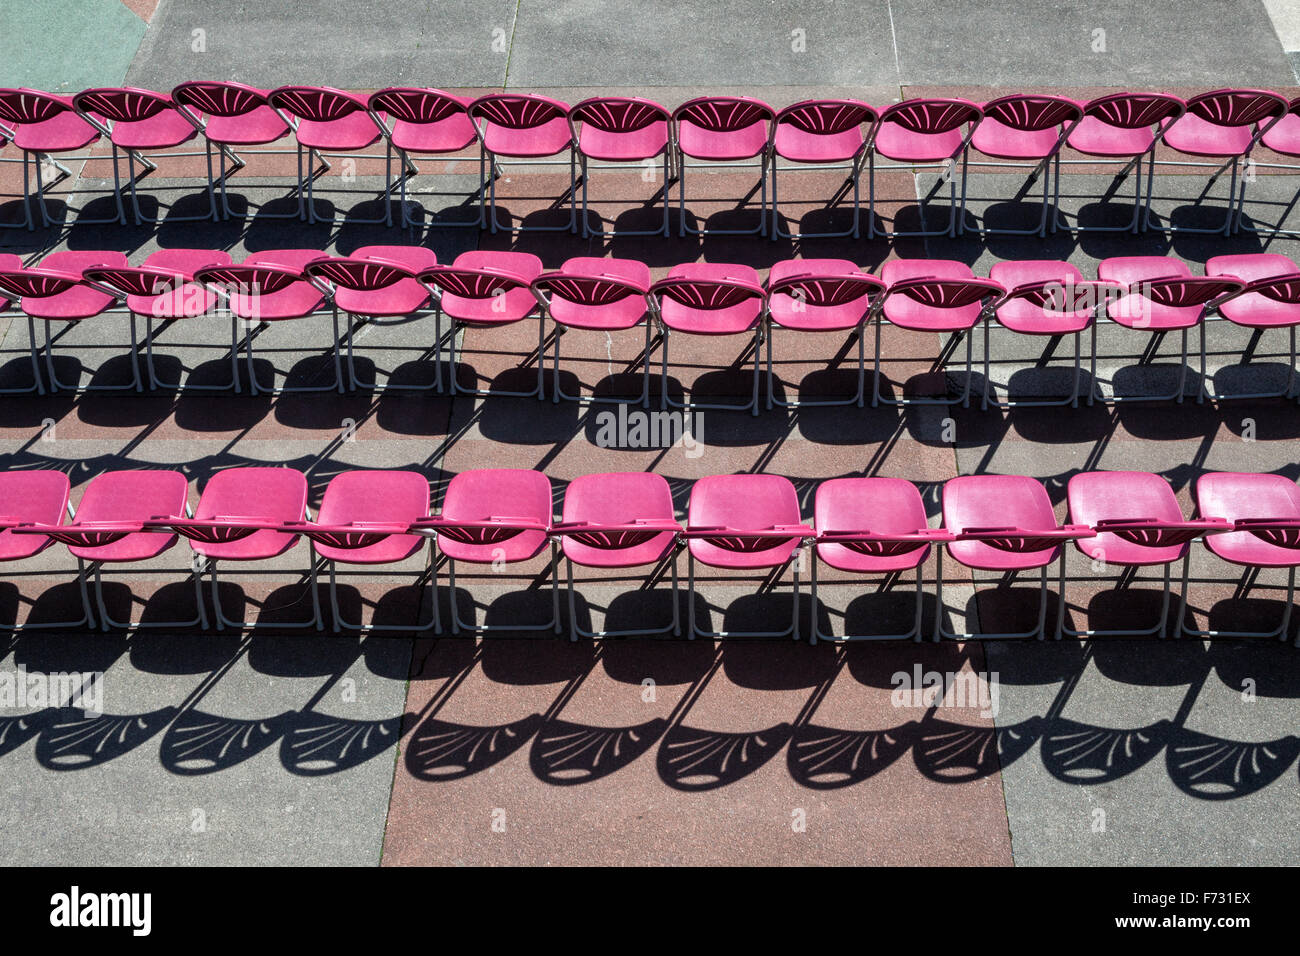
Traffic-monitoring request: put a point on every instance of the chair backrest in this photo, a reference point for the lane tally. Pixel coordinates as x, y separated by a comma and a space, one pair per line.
1238, 107
30, 106
827, 290
1284, 289
1187, 292
946, 293
724, 114
248, 279
707, 294
827, 117
479, 283
138, 280
518, 110
932, 114
122, 104
416, 104
217, 98
318, 104
618, 114
1032, 112
36, 283
359, 274
592, 290
1064, 298
1135, 110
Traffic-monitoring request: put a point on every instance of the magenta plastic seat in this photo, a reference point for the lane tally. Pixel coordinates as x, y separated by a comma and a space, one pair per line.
1265, 511
926, 131
1125, 126
932, 295
30, 497
871, 526
485, 289
825, 133
431, 124
525, 126
44, 124
56, 292
621, 129
598, 294
722, 129
136, 121
744, 523
619, 520
1001, 523
1138, 523
11, 263
1270, 300
707, 298
1223, 125
820, 295
365, 519
325, 119
271, 287
497, 515
230, 114
1026, 129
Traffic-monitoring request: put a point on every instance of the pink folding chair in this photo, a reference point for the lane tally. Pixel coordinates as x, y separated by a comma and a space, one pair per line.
932, 295
1282, 137
922, 133
1270, 300
164, 288
366, 519
617, 130
1138, 524
1264, 512
531, 127
823, 134
601, 295
1025, 131
1044, 298
722, 131
486, 289
271, 287
1001, 523
377, 286
327, 121
44, 125
139, 121
1162, 296
1121, 126
112, 525
704, 298
619, 520
745, 523
872, 526
820, 295
496, 516
37, 496
244, 514
230, 115
56, 292
431, 124
10, 263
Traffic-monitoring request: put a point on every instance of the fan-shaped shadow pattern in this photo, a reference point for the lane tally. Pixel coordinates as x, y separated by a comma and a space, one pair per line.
959, 753
199, 742
567, 753
691, 759
1081, 753
439, 750
823, 758
322, 744
16, 731
74, 740
1216, 769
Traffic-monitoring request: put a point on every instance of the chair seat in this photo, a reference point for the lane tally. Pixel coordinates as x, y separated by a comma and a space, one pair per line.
375, 496
271, 494
257, 127
1096, 138
297, 300
800, 146
988, 501
547, 139
908, 313
60, 133
721, 145
185, 301
878, 505
449, 135
790, 313
132, 496
497, 493
625, 313
618, 499
401, 298
1284, 136
1253, 310
997, 139
1198, 137
644, 143
1022, 316
160, 131
353, 131
731, 320
1137, 312
37, 496
77, 302
894, 141
744, 503
1236, 496
1113, 495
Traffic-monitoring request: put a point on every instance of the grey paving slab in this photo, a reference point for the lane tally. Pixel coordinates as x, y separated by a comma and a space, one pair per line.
737, 42
1212, 42
365, 45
